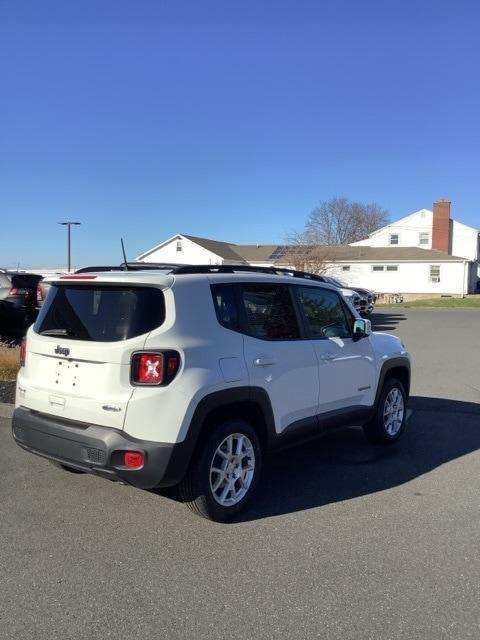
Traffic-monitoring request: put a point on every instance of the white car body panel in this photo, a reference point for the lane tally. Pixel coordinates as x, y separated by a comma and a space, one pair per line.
288, 372
347, 371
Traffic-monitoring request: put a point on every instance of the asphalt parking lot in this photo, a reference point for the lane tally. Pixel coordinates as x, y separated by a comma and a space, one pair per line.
344, 541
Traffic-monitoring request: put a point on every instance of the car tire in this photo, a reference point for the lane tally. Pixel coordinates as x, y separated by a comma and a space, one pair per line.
388, 423
224, 472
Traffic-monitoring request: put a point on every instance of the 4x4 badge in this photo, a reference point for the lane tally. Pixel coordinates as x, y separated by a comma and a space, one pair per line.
62, 351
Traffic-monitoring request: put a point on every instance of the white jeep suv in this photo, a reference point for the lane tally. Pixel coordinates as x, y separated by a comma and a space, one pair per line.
188, 375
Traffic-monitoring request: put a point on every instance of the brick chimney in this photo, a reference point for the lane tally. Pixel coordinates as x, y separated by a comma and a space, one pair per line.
442, 226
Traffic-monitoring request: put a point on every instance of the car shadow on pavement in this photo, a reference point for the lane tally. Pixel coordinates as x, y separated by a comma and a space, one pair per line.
343, 465
385, 321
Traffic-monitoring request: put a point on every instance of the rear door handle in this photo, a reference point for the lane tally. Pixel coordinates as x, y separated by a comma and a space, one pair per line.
263, 362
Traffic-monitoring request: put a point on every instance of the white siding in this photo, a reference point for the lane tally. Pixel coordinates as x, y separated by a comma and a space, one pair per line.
191, 253
464, 241
464, 238
411, 277
408, 230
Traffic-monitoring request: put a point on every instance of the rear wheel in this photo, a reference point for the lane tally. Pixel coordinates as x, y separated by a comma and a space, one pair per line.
224, 473
388, 423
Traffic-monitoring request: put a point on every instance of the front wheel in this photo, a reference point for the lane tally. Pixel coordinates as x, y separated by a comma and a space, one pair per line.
224, 473
388, 423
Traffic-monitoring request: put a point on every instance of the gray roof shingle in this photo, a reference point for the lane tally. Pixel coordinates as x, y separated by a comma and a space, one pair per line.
342, 253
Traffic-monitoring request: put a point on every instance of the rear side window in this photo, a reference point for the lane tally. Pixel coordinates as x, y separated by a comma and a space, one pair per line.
269, 311
324, 313
100, 313
225, 303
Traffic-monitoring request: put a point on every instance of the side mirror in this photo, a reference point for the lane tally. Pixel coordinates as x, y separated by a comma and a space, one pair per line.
361, 329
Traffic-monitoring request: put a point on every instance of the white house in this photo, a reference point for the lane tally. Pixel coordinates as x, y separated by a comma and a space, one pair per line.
192, 250
429, 230
410, 271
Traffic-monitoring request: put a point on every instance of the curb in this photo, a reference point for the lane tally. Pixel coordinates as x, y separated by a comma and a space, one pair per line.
6, 410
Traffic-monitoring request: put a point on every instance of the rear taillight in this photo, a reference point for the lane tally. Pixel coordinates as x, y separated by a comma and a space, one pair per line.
133, 459
40, 293
23, 352
17, 291
154, 368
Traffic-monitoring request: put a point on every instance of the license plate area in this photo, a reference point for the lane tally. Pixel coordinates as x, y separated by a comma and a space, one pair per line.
67, 374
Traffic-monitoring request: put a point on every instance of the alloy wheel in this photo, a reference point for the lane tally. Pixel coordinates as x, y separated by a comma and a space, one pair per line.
232, 469
393, 411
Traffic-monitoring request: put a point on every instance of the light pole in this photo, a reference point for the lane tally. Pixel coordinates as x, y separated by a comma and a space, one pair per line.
68, 224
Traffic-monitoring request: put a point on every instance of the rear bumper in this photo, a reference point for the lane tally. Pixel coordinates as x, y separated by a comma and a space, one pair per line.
96, 449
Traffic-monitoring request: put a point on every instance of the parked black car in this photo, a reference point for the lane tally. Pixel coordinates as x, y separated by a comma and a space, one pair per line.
367, 297
18, 300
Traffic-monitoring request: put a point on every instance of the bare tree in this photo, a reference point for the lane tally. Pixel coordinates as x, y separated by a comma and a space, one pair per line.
339, 221
305, 256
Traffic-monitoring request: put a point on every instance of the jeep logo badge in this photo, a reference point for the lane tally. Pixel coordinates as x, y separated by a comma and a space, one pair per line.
62, 351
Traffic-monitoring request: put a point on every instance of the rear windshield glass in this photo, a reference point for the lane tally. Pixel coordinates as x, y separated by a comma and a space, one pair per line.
25, 281
100, 313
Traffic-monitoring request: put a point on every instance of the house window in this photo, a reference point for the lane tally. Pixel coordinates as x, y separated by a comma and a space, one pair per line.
383, 267
424, 238
346, 267
179, 245
434, 273
394, 238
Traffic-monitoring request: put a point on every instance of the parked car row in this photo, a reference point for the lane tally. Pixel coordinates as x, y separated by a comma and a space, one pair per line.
367, 297
18, 299
22, 294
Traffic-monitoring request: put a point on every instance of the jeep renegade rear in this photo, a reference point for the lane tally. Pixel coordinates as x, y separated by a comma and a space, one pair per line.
188, 375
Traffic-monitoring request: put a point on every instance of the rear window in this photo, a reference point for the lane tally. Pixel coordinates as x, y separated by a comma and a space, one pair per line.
25, 281
100, 313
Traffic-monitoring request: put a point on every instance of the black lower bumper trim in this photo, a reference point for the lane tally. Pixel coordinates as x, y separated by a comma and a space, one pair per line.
96, 449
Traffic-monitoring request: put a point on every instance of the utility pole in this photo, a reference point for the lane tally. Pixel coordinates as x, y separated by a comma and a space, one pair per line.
68, 224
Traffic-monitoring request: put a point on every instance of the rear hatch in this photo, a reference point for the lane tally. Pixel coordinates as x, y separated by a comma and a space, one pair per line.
24, 288
80, 348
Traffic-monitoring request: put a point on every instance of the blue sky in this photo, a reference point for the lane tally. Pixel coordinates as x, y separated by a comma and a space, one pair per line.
227, 119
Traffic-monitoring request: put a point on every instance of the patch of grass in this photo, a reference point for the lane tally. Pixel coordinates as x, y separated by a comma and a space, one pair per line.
9, 364
452, 303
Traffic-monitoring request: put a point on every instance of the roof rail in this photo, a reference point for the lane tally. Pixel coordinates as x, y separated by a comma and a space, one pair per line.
220, 268
93, 269
152, 265
306, 275
232, 268
184, 269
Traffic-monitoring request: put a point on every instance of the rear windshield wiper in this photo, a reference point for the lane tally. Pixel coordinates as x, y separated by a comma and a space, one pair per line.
56, 332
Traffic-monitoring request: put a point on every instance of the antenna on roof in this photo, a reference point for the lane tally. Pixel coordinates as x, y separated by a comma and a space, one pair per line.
124, 255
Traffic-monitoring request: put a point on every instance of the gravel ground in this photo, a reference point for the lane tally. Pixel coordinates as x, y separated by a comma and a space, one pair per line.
8, 347
7, 391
